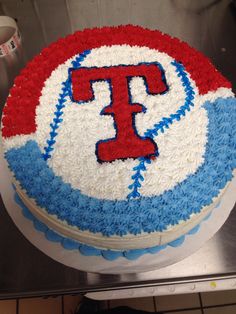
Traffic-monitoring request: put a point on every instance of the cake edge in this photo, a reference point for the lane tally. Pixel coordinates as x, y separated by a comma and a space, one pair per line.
126, 242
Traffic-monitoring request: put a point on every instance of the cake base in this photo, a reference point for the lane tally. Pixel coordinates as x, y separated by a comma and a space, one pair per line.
147, 262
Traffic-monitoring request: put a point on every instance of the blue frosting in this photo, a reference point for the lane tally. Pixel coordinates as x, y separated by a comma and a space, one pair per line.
161, 127
177, 242
134, 216
86, 250
196, 228
57, 119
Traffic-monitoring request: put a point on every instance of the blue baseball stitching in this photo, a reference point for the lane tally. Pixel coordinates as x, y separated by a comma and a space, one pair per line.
164, 123
66, 91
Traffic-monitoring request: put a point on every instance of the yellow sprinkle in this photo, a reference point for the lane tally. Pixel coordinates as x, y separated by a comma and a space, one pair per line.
213, 284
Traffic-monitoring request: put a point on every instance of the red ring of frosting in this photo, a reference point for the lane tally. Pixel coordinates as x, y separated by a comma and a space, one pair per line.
19, 111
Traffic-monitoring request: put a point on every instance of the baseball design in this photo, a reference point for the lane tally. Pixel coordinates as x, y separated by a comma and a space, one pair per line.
83, 126
120, 131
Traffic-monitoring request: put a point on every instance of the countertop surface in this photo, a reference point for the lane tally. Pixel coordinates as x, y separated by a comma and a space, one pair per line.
209, 26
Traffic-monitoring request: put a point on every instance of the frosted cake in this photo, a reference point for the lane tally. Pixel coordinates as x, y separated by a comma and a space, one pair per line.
120, 140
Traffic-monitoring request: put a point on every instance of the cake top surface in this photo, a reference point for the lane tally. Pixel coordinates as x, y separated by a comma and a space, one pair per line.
120, 130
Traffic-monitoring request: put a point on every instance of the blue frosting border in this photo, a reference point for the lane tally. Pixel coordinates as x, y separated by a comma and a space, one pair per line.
87, 250
147, 214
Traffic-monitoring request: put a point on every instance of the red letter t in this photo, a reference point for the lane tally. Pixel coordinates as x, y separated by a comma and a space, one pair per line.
127, 143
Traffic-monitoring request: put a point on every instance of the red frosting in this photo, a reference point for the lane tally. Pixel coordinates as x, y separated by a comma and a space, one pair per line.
127, 143
19, 112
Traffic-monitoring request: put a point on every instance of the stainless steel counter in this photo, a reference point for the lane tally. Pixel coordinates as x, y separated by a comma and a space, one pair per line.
206, 25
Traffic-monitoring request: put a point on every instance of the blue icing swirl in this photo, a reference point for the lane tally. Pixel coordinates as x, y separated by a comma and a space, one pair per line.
212, 175
70, 244
40, 226
111, 255
195, 229
133, 254
156, 249
52, 236
89, 250
177, 242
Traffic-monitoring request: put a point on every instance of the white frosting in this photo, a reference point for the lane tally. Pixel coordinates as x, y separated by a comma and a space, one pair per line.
220, 92
17, 141
181, 147
181, 150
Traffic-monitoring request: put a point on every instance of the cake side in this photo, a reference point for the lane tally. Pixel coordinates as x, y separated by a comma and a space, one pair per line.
126, 242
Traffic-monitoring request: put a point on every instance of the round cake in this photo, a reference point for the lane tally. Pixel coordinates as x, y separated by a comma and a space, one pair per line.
120, 140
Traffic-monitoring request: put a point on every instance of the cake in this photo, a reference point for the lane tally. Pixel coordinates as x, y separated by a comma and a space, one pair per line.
120, 141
